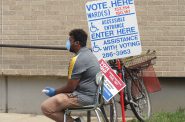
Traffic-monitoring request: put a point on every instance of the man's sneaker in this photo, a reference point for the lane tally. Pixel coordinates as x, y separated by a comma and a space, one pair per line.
79, 119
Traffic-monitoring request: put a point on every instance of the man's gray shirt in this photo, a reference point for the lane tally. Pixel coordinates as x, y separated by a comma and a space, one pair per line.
84, 66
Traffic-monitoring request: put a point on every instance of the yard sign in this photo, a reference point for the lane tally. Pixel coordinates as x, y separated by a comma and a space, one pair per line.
113, 84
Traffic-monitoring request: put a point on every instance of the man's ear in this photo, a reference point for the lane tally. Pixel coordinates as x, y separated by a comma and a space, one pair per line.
77, 42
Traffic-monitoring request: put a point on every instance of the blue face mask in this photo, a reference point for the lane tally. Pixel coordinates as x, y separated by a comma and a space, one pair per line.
68, 45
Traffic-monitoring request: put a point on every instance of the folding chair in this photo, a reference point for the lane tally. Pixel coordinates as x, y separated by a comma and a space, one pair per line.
96, 106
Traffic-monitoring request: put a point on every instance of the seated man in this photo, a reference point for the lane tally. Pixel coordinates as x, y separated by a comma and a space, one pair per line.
81, 87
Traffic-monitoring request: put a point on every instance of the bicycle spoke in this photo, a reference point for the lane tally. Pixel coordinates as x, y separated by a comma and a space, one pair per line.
138, 96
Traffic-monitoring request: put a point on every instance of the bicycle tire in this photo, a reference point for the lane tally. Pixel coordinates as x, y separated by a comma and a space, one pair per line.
109, 111
138, 97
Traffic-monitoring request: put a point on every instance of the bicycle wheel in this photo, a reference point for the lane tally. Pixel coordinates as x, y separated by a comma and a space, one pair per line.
138, 97
109, 111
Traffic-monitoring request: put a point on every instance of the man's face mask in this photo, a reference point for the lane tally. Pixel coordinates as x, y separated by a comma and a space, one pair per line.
68, 45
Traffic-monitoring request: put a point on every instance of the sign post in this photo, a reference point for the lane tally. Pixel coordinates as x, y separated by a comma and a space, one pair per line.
114, 33
121, 93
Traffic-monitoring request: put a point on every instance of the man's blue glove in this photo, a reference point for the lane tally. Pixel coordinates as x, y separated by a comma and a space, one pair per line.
49, 91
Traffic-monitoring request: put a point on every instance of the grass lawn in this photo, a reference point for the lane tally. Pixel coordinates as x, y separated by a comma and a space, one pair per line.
178, 116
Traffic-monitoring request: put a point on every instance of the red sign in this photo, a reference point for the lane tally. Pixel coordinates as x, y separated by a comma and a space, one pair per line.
111, 75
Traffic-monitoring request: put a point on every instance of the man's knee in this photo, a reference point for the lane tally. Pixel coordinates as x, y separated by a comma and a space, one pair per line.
53, 103
44, 107
47, 106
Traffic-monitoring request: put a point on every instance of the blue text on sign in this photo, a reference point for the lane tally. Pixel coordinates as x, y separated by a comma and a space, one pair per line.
117, 3
100, 35
97, 6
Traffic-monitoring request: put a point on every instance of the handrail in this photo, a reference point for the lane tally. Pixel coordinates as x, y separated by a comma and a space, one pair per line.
33, 46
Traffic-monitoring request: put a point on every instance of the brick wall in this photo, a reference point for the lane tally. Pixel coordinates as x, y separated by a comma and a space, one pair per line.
162, 28
38, 22
47, 22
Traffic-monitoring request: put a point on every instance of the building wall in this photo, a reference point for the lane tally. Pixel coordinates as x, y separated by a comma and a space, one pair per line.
22, 94
3, 102
171, 97
45, 22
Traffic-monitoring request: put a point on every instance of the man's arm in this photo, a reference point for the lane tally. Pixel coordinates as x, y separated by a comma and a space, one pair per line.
74, 73
69, 88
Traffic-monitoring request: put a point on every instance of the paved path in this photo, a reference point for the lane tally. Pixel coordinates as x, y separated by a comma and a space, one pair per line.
13, 117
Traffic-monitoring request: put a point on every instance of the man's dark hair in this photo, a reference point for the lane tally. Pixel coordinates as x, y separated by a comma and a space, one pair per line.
79, 35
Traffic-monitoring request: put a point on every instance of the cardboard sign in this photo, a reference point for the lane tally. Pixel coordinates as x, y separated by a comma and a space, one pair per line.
113, 28
113, 84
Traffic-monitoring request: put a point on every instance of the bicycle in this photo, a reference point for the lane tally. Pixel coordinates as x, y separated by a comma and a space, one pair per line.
135, 93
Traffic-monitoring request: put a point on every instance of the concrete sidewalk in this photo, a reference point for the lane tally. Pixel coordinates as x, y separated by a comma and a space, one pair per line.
13, 117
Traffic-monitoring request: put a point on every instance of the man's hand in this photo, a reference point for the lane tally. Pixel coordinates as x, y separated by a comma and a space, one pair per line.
49, 91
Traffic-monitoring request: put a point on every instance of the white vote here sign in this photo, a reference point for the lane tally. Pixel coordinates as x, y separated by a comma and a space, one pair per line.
113, 28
